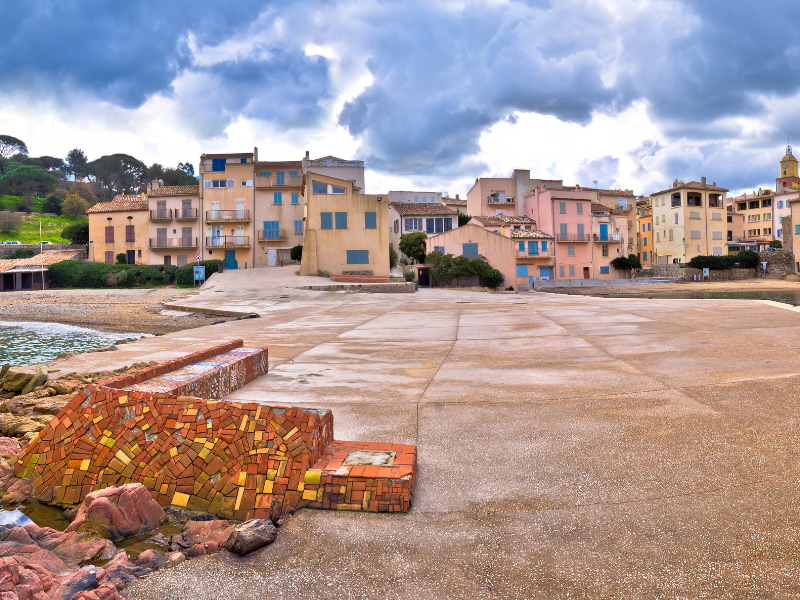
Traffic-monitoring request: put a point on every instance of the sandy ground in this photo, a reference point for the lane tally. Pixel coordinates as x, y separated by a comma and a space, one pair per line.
746, 285
135, 310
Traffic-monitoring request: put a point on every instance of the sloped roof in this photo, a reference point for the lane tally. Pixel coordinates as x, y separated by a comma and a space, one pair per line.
454, 201
122, 203
406, 208
7, 264
600, 208
615, 193
280, 163
503, 221
45, 259
176, 190
695, 185
529, 234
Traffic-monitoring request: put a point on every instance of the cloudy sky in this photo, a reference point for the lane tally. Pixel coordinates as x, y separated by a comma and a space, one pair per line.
430, 93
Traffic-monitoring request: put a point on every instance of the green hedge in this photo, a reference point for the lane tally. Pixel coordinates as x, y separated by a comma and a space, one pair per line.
185, 275
76, 274
746, 259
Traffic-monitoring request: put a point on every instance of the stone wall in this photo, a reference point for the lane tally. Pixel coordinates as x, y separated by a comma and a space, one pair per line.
779, 263
5, 250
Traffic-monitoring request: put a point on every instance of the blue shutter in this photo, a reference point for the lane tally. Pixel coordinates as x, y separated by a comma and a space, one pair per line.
469, 249
522, 246
429, 225
217, 164
341, 220
544, 246
370, 220
295, 198
279, 175
448, 224
357, 257
604, 270
243, 161
298, 227
270, 230
277, 197
522, 270
603, 232
326, 219
533, 247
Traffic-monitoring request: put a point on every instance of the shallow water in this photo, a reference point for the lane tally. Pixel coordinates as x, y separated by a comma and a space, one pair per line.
28, 342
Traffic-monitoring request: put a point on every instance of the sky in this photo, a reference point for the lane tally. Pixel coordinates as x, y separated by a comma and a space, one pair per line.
429, 93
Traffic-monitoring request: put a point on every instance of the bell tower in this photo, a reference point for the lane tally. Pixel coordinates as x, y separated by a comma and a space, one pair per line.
789, 175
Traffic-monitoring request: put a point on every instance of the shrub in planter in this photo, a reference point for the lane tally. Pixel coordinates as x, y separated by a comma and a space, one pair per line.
409, 276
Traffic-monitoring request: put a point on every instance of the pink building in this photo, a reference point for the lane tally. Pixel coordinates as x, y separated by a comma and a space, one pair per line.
567, 216
492, 196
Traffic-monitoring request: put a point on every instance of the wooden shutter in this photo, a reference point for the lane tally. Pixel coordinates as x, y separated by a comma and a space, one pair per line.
110, 234
130, 235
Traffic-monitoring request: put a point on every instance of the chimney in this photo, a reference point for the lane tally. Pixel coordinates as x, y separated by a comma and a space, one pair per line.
703, 180
456, 196
154, 185
307, 155
255, 154
714, 183
675, 183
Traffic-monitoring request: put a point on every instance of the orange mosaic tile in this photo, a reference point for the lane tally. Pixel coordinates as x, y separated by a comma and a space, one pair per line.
233, 460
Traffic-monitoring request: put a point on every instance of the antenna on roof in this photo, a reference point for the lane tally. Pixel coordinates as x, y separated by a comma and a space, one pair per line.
595, 182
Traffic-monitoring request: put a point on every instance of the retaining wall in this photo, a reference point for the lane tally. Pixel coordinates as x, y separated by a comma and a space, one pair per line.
6, 249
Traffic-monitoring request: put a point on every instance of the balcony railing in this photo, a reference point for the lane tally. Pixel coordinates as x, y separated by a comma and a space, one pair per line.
184, 214
279, 182
180, 242
272, 235
572, 237
611, 238
228, 216
506, 200
228, 241
534, 254
161, 215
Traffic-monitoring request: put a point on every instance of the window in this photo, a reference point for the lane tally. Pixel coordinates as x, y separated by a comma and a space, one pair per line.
326, 220
561, 271
279, 177
580, 230
265, 173
522, 246
643, 229
439, 225
670, 234
469, 249
271, 230
778, 232
130, 235
292, 173
110, 234
644, 256
544, 246
604, 249
217, 164
570, 250
563, 230
780, 203
356, 257
768, 216
110, 258
562, 208
338, 190
341, 220
716, 235
416, 199
580, 208
676, 218
533, 247
438, 249
522, 270
645, 241
317, 187
243, 161
516, 226
695, 235
604, 270
429, 225
658, 236
298, 227
295, 198
448, 224
412, 224
277, 198
370, 220
572, 270
648, 227
219, 183
247, 183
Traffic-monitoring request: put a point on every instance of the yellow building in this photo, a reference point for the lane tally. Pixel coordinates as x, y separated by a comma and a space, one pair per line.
609, 235
278, 209
688, 221
644, 232
757, 210
346, 232
174, 224
119, 227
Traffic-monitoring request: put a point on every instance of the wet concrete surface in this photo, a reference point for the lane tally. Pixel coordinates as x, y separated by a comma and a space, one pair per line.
569, 447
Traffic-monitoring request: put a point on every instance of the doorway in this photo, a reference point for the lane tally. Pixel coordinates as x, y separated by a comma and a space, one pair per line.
130, 257
273, 255
586, 272
230, 259
545, 273
423, 278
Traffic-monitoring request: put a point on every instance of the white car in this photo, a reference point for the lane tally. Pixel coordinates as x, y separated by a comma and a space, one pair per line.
13, 243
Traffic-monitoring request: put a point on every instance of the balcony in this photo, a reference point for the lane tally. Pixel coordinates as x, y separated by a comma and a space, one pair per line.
228, 241
534, 254
287, 181
185, 214
496, 200
161, 215
611, 238
272, 235
227, 216
573, 237
165, 243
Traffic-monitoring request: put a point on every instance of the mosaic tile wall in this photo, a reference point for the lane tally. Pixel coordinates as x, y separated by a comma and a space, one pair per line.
230, 459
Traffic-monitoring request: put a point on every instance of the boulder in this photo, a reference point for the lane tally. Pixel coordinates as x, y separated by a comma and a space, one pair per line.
107, 591
17, 492
173, 559
119, 512
251, 535
152, 559
37, 379
15, 381
9, 448
199, 532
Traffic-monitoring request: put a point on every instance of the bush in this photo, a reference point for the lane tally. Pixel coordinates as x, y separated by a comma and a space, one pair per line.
52, 204
413, 245
77, 233
73, 273
9, 222
22, 207
296, 253
74, 205
122, 258
392, 257
490, 277
445, 268
777, 244
748, 259
409, 276
21, 254
185, 275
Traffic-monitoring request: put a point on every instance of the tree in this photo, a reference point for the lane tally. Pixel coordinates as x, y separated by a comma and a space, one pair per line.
77, 233
463, 219
296, 253
441, 266
9, 146
26, 180
120, 173
777, 244
74, 205
52, 204
9, 221
83, 190
413, 245
631, 262
489, 276
171, 176
187, 168
50, 163
77, 163
22, 254
392, 257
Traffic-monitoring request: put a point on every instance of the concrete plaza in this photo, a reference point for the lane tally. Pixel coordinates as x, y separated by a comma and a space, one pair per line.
568, 446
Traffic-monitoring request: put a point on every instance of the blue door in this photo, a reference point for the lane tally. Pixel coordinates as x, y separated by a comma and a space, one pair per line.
545, 272
230, 259
603, 232
533, 247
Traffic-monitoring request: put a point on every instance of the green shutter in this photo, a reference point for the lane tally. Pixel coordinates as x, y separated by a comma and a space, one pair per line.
326, 219
357, 257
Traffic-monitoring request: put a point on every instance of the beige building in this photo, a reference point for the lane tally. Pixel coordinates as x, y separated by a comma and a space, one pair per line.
119, 227
757, 210
689, 219
347, 232
349, 170
411, 217
278, 210
609, 239
505, 225
173, 230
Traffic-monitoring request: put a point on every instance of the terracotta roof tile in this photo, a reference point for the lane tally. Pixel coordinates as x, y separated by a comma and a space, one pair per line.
228, 155
176, 190
529, 234
410, 208
280, 163
122, 203
8, 263
695, 185
503, 221
45, 259
454, 201
600, 208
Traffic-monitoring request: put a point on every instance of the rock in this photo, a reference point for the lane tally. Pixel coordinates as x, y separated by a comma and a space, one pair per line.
9, 448
3, 370
199, 532
69, 513
203, 549
121, 572
39, 378
109, 348
159, 539
50, 407
173, 559
18, 492
250, 536
66, 354
152, 559
119, 512
107, 591
16, 380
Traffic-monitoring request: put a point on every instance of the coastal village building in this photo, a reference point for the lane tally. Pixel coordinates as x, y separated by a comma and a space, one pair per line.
535, 256
456, 203
736, 239
278, 209
173, 232
505, 225
757, 210
689, 220
609, 232
120, 227
787, 190
644, 232
350, 170
18, 274
411, 217
346, 232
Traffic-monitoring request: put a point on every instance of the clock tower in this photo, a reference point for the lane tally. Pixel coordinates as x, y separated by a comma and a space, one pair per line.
789, 176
